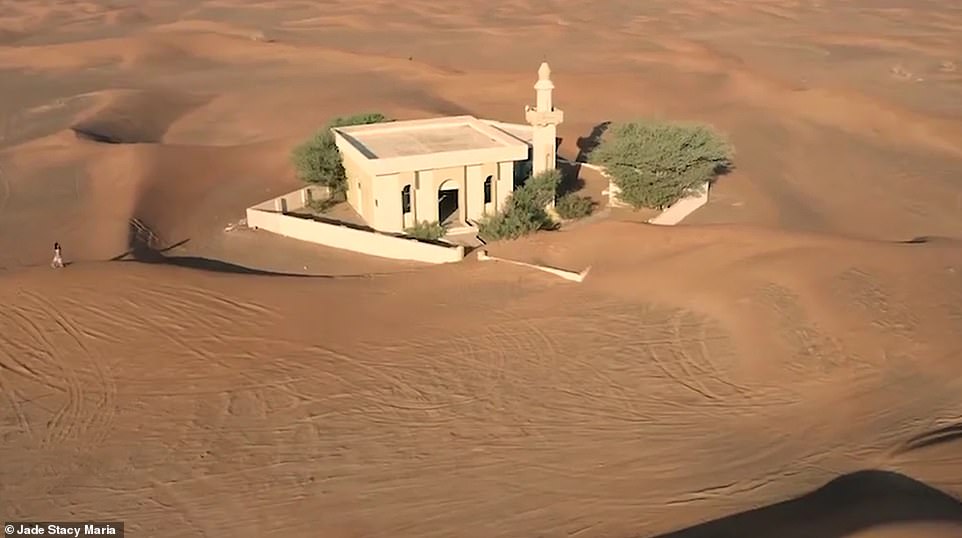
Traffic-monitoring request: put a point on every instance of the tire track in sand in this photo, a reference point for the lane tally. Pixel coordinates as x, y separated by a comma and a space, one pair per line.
99, 419
59, 425
70, 415
13, 398
803, 338
890, 317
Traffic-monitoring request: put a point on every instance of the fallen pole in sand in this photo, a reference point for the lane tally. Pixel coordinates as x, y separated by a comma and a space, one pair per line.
567, 275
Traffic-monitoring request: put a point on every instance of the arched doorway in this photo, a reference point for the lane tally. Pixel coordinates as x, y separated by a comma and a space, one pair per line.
449, 211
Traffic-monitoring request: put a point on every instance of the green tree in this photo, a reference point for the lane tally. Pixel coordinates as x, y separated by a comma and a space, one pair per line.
317, 159
657, 163
525, 210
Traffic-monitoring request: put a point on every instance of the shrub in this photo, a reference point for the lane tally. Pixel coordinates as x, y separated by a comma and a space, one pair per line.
526, 209
572, 206
428, 231
317, 159
538, 190
513, 224
655, 163
322, 205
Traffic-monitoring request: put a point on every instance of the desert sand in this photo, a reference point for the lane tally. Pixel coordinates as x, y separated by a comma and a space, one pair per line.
785, 363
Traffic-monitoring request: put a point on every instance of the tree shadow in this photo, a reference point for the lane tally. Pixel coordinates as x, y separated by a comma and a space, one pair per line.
587, 144
142, 249
842, 507
156, 256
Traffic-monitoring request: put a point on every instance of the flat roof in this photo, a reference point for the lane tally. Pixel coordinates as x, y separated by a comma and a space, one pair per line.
430, 143
432, 139
522, 132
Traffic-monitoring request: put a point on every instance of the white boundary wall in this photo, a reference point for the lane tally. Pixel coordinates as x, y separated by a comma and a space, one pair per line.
269, 215
567, 275
672, 215
677, 211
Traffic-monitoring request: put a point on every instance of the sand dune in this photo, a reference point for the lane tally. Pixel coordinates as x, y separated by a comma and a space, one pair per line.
785, 363
613, 408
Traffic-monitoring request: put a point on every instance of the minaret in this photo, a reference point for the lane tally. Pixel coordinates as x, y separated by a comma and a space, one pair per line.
544, 120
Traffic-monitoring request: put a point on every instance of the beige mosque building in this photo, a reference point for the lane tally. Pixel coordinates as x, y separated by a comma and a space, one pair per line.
451, 170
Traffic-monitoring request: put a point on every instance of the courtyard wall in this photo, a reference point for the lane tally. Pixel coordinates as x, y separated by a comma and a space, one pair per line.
270, 216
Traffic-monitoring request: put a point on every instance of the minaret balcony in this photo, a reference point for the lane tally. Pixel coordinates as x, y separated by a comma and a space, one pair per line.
543, 117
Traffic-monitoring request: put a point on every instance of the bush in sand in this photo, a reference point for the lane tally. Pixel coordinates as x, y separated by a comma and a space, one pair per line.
318, 161
571, 206
428, 231
657, 163
525, 210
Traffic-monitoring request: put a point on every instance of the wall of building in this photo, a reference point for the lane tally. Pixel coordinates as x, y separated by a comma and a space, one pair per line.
505, 184
360, 189
386, 203
367, 197
473, 208
425, 204
475, 177
388, 189
378, 200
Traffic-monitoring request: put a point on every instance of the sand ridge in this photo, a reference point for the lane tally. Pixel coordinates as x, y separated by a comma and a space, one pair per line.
782, 364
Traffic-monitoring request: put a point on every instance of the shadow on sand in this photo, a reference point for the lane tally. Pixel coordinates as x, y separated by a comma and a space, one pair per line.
842, 507
144, 254
571, 180
587, 144
935, 437
932, 240
142, 249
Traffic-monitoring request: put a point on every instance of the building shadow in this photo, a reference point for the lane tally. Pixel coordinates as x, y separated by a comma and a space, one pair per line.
844, 506
571, 180
587, 144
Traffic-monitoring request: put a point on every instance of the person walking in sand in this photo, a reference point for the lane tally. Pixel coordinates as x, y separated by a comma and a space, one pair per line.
57, 257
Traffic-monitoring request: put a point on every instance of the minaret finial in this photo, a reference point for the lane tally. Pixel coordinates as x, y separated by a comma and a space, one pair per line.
544, 72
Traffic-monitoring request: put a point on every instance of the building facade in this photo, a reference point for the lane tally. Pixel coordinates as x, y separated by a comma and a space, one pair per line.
451, 170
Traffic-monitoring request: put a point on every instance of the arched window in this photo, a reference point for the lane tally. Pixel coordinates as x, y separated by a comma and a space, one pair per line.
487, 190
406, 199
